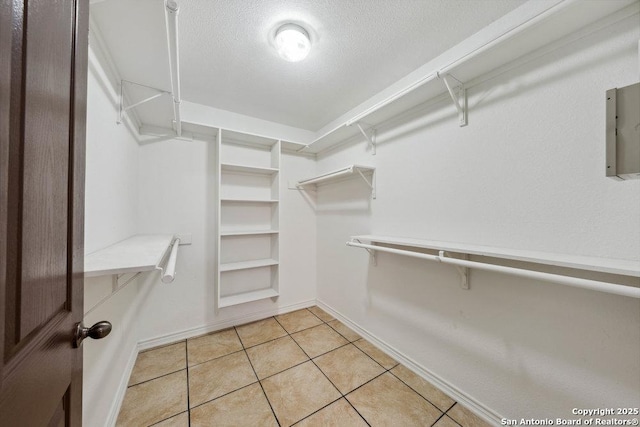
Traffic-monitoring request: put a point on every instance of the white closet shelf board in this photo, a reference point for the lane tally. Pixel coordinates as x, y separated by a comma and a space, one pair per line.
249, 201
236, 299
228, 167
198, 129
603, 265
244, 265
336, 175
135, 254
534, 36
239, 136
248, 233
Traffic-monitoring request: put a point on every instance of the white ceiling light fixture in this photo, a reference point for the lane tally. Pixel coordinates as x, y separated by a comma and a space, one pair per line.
292, 42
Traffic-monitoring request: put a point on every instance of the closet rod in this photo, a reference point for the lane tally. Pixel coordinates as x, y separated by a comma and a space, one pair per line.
610, 288
171, 18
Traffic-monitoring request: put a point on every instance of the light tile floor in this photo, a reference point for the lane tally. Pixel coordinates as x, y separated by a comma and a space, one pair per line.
303, 368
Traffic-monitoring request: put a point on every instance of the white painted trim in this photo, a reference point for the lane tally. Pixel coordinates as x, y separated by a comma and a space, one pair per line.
216, 326
116, 404
470, 402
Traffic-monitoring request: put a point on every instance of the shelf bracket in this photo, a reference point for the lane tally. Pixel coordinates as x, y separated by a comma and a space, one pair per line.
372, 255
371, 139
123, 109
459, 97
371, 184
463, 271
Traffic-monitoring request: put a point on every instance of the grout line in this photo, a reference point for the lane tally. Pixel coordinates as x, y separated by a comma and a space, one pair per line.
357, 412
186, 355
264, 393
155, 378
316, 411
215, 358
419, 394
223, 395
165, 419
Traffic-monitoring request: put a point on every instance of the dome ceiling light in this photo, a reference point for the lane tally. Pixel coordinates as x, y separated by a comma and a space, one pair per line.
292, 42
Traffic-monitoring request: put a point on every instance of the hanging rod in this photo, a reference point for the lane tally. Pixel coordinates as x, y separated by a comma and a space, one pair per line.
168, 273
171, 17
349, 170
610, 288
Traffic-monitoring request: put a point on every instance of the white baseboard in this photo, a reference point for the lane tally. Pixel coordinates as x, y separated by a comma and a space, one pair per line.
122, 389
459, 396
216, 326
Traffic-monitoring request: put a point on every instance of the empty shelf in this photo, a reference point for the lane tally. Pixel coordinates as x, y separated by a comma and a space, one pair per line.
334, 175
243, 265
603, 265
249, 200
248, 233
228, 167
132, 255
236, 299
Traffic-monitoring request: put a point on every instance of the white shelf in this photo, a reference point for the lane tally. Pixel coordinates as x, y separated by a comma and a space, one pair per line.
603, 265
336, 174
244, 265
540, 33
249, 200
236, 299
248, 233
135, 254
228, 167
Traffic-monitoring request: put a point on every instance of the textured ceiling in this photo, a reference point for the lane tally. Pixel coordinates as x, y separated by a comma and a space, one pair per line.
359, 47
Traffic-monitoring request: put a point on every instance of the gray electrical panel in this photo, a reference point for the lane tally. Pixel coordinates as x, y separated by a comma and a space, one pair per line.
623, 132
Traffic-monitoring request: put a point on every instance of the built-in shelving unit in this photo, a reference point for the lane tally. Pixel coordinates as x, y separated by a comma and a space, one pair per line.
367, 173
449, 74
133, 255
248, 206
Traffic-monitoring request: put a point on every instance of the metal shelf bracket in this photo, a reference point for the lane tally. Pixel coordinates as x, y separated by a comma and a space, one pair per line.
371, 184
372, 255
371, 139
463, 271
123, 109
459, 97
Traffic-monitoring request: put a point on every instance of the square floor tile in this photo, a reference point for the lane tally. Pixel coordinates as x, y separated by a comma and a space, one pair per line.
218, 377
318, 340
298, 320
154, 363
338, 414
343, 330
275, 356
387, 401
321, 314
298, 392
465, 417
247, 407
155, 400
211, 346
376, 354
261, 331
180, 420
348, 367
425, 388
446, 422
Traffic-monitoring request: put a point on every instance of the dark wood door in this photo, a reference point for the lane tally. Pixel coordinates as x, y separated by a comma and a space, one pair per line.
43, 65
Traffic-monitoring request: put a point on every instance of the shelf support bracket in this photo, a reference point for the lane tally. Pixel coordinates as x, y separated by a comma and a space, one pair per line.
459, 97
463, 271
372, 254
123, 109
371, 184
371, 139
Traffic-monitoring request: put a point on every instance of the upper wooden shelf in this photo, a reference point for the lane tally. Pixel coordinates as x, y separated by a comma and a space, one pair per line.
604, 265
135, 254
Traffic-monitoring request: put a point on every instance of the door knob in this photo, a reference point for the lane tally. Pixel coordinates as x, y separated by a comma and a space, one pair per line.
97, 331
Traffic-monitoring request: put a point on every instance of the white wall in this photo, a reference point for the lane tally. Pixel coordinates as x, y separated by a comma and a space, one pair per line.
527, 173
178, 195
111, 196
